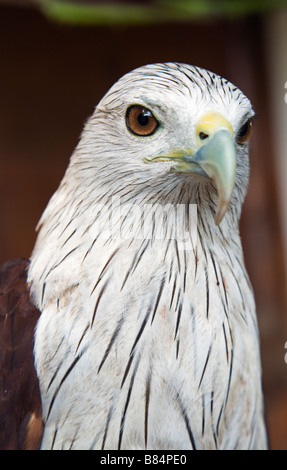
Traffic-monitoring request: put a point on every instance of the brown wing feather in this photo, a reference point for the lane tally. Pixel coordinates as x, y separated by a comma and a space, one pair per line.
21, 424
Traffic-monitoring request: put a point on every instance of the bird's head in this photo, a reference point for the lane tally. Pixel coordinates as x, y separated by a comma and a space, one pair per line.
165, 120
163, 135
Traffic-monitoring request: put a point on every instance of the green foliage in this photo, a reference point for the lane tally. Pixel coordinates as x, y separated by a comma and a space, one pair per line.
158, 11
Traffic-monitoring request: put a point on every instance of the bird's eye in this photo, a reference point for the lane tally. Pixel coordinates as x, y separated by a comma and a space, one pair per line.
140, 121
245, 132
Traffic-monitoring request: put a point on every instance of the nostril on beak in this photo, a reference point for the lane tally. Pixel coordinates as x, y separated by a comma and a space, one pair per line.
203, 135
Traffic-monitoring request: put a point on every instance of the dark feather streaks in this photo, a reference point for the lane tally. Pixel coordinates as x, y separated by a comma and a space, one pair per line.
127, 403
64, 378
186, 421
147, 400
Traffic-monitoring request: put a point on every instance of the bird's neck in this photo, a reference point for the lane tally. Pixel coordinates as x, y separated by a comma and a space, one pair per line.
174, 217
181, 213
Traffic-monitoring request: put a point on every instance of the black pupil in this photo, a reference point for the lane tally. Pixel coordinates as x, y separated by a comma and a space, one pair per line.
143, 118
244, 129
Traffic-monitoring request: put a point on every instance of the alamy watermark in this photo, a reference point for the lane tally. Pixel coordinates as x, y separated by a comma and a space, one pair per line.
123, 221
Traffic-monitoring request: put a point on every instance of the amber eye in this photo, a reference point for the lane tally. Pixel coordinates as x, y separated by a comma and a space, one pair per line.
141, 121
245, 132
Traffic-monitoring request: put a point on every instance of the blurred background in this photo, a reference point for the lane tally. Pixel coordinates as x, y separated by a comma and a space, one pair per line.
59, 57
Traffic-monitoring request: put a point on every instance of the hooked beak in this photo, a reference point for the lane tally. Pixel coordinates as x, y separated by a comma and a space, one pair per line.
214, 158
